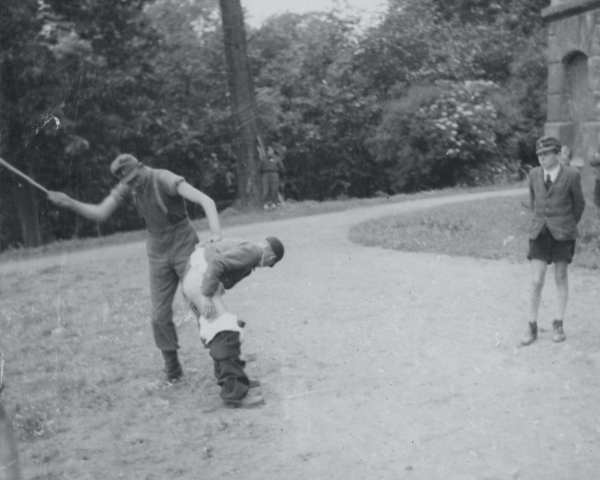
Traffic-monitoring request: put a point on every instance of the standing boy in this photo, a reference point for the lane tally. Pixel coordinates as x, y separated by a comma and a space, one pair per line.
158, 196
557, 203
213, 268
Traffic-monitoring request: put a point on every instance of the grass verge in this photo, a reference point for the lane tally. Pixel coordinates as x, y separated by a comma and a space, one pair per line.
233, 217
494, 229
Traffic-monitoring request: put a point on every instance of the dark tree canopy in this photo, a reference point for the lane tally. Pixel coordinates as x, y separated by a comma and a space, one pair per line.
355, 112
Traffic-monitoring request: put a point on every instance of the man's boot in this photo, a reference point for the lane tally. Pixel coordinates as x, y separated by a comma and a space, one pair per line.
173, 368
530, 335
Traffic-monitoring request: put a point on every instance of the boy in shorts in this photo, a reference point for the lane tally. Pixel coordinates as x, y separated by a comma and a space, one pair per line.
557, 203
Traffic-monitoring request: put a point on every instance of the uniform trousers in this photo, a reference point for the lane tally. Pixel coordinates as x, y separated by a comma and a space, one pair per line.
168, 253
270, 187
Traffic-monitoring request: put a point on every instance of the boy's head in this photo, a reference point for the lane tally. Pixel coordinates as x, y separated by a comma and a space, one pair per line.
548, 149
272, 252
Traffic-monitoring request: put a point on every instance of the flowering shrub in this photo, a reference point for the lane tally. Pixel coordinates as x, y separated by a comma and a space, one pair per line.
445, 134
466, 117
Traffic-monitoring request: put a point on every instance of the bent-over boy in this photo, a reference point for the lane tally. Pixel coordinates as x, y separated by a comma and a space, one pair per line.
213, 268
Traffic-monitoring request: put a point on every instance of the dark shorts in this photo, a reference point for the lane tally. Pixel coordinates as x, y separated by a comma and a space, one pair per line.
545, 247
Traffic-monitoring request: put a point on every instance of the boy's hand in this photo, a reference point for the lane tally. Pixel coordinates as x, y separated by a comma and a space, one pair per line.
213, 238
207, 308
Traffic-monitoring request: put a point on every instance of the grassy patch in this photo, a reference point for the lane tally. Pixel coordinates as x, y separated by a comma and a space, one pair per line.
233, 217
495, 229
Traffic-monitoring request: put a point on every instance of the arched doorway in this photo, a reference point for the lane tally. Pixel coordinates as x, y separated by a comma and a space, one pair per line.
578, 100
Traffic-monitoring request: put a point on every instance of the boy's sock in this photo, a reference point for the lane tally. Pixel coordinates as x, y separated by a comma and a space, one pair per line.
530, 335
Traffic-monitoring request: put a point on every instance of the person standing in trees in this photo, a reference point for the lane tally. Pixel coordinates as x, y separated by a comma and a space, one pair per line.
271, 167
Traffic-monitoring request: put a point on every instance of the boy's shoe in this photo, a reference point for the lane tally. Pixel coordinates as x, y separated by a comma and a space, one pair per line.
249, 401
530, 335
558, 334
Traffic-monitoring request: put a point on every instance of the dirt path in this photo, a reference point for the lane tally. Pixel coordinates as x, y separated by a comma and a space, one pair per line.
375, 364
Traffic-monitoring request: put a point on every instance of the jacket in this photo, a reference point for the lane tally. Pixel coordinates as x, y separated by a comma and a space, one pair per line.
560, 207
229, 260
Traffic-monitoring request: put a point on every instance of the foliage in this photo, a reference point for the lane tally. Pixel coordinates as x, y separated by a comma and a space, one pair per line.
357, 112
443, 134
325, 109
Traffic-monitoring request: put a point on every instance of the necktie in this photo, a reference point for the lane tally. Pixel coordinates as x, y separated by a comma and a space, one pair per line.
548, 181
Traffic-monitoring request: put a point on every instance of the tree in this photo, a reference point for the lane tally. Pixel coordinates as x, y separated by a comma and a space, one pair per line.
243, 103
20, 60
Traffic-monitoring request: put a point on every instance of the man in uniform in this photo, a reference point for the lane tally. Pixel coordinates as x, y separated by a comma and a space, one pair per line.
271, 167
159, 197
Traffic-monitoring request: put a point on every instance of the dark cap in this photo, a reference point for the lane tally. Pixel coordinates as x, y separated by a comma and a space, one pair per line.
124, 167
547, 144
276, 246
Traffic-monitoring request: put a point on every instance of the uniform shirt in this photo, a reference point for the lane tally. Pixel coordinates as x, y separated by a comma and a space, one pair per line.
560, 207
146, 203
229, 260
272, 165
553, 173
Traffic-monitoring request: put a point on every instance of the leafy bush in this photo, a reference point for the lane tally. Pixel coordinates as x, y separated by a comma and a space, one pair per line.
444, 134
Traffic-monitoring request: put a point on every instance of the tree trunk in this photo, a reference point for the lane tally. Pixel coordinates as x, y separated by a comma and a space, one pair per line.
23, 192
243, 104
27, 209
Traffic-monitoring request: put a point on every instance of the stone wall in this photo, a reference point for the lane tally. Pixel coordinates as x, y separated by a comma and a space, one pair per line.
573, 112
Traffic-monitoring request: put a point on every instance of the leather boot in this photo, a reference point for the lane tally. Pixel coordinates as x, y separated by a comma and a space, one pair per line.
173, 368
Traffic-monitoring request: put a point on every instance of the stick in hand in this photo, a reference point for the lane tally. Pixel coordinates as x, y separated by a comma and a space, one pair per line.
22, 175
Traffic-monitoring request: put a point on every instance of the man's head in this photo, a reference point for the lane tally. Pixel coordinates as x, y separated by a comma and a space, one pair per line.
126, 168
272, 252
547, 149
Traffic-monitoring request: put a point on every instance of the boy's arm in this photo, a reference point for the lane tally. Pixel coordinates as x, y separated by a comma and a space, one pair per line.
208, 205
98, 213
577, 196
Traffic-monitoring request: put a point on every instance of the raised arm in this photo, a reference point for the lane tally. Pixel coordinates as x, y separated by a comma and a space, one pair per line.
208, 205
98, 213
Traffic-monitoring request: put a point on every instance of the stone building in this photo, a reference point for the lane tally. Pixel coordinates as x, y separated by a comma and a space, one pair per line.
573, 113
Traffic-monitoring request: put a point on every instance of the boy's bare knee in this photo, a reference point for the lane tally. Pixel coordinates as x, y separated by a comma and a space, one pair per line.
537, 284
561, 273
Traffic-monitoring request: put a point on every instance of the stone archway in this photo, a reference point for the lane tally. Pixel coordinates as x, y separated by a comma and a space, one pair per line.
573, 113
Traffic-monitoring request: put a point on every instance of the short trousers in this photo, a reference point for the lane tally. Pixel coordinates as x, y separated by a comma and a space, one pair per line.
545, 247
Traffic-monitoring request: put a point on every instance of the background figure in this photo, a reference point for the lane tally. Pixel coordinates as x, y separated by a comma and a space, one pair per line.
567, 158
595, 164
9, 456
271, 167
566, 155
